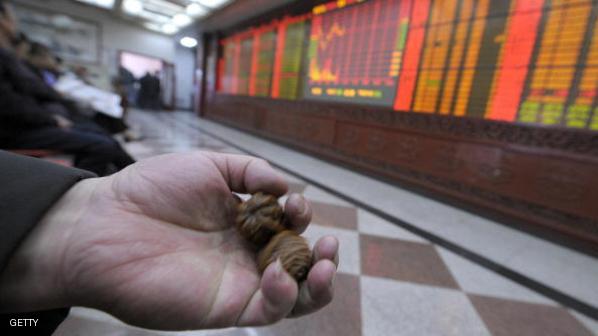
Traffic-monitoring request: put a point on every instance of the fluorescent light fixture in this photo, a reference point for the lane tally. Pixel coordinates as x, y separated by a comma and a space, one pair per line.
164, 7
196, 10
213, 3
109, 4
133, 6
105, 3
188, 42
169, 28
181, 20
153, 26
153, 17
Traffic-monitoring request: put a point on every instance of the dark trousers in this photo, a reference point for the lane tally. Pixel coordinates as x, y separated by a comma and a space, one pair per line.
94, 150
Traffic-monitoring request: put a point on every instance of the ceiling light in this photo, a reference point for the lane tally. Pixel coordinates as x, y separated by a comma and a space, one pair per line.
212, 3
105, 3
133, 6
196, 10
188, 42
153, 17
181, 20
153, 26
169, 28
100, 3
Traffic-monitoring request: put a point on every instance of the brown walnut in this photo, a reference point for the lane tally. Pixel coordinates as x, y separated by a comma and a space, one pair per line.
293, 251
260, 218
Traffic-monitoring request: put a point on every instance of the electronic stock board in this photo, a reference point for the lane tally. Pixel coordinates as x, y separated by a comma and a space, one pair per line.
529, 61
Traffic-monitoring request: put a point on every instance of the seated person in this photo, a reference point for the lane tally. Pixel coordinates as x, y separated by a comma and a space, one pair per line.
104, 106
25, 123
44, 63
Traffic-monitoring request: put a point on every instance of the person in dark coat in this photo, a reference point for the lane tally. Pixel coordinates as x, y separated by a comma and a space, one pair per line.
144, 98
156, 91
33, 116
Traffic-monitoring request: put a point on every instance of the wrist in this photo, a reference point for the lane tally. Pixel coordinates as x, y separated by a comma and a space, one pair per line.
34, 276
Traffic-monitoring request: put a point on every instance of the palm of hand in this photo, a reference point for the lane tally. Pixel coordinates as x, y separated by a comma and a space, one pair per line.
172, 259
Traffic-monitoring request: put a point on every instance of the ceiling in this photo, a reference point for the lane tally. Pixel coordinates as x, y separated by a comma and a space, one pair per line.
240, 11
165, 16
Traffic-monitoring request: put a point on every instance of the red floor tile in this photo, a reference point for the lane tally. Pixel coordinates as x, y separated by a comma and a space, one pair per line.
334, 215
516, 318
405, 261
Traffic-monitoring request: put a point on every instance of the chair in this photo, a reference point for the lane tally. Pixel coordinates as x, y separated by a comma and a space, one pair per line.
48, 155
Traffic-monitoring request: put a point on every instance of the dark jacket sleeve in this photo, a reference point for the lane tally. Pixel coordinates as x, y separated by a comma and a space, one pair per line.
28, 81
28, 188
21, 109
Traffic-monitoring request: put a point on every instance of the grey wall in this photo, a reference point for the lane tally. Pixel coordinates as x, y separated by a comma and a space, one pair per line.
185, 69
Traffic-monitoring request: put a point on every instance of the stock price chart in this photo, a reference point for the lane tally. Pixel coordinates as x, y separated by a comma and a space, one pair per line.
355, 51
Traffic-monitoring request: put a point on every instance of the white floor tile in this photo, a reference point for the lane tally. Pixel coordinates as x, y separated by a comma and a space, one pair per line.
400, 308
374, 225
317, 194
565, 269
589, 323
475, 279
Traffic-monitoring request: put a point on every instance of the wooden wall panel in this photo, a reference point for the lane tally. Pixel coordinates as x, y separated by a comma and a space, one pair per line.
545, 177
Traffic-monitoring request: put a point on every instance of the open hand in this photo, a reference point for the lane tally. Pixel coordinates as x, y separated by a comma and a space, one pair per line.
155, 245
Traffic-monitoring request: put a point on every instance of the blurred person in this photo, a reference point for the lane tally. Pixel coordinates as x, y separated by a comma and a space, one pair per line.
150, 96
128, 80
108, 112
27, 75
144, 96
44, 62
21, 46
82, 73
156, 92
154, 245
34, 116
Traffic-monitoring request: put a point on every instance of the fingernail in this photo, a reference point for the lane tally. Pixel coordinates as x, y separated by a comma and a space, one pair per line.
331, 284
333, 241
300, 204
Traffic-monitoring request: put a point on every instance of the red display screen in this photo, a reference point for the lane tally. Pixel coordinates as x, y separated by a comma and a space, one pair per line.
527, 61
350, 57
264, 61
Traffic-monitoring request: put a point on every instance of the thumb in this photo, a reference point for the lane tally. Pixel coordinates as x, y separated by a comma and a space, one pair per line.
247, 174
273, 301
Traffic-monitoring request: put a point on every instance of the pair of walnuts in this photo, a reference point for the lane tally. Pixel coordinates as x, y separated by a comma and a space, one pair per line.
261, 221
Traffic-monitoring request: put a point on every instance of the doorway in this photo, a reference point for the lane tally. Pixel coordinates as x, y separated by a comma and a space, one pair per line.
149, 81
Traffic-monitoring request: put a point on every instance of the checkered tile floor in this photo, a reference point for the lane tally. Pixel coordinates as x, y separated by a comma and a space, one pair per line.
390, 281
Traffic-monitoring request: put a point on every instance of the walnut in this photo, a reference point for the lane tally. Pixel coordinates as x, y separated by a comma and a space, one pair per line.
260, 218
293, 251
261, 221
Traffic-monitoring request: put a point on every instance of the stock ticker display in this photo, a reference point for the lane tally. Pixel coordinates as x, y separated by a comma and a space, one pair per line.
528, 61
264, 61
